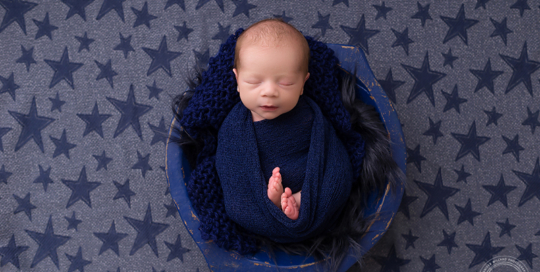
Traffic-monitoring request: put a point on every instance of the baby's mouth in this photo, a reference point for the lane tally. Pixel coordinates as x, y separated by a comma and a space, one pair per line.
269, 108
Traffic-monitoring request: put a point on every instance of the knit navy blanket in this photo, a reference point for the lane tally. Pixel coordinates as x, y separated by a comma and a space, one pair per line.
304, 144
212, 101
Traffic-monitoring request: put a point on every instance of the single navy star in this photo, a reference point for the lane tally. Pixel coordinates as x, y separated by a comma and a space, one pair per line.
410, 239
532, 119
391, 262
429, 265
180, 3
183, 32
493, 116
48, 243
109, 5
470, 143
123, 192
481, 3
506, 227
106, 71
80, 189
283, 17
161, 58
413, 155
3, 131
63, 69
422, 13
9, 86
62, 145
77, 261
73, 222
125, 45
485, 77
522, 68
532, 183
142, 163
346, 2
223, 33
171, 209
526, 254
390, 85
434, 130
359, 36
201, 3
147, 230
323, 24
449, 58
27, 57
382, 10
453, 100
448, 241
32, 124
44, 27
437, 195
499, 192
77, 7
160, 132
402, 39
483, 252
154, 91
14, 12
24, 205
11, 252
512, 146
57, 103
202, 58
4, 175
500, 29
94, 121
521, 5
466, 213
143, 17
177, 251
405, 202
458, 26
85, 42
242, 6
44, 177
424, 78
131, 112
110, 239
102, 160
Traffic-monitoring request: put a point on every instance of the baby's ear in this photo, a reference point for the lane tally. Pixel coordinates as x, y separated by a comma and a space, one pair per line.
235, 73
305, 79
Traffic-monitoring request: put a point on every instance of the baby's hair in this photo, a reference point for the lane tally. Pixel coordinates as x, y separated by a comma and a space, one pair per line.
272, 31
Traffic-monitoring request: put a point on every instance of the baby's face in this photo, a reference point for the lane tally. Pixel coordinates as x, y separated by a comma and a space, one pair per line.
270, 79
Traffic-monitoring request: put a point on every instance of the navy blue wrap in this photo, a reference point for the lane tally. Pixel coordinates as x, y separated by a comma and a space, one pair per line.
214, 98
325, 164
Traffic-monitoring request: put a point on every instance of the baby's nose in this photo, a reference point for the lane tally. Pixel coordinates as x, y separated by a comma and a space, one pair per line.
270, 89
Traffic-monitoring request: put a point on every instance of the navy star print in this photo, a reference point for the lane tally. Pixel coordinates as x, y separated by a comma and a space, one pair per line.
202, 2
202, 58
77, 7
453, 100
110, 239
180, 3
102, 160
14, 12
413, 155
63, 69
147, 230
27, 57
462, 174
499, 192
124, 192
84, 42
481, 3
458, 26
493, 116
9, 86
44, 27
522, 68
94, 121
80, 189
109, 5
391, 262
359, 36
323, 24
242, 6
422, 14
32, 124
424, 78
405, 202
125, 45
131, 112
382, 10
24, 205
283, 17
521, 5
466, 213
402, 39
470, 143
177, 251
223, 33
437, 195
171, 209
429, 265
390, 85
532, 119
449, 58
526, 254
56, 103
11, 252
161, 58
106, 71
73, 222
434, 130
512, 146
44, 177
183, 32
532, 183
48, 243
448, 241
410, 239
483, 252
4, 175
142, 163
500, 29
160, 132
62, 145
143, 17
77, 261
485, 77
154, 91
3, 131
346, 2
506, 227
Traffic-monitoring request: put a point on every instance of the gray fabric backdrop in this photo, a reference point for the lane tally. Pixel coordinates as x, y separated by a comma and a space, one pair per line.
85, 94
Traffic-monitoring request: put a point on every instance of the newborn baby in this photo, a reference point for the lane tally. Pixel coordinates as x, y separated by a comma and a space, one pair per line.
271, 67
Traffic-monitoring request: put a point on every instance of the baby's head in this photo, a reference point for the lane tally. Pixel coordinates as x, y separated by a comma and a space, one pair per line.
271, 67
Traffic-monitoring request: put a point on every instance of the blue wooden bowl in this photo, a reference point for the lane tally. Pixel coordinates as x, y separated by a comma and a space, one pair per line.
384, 208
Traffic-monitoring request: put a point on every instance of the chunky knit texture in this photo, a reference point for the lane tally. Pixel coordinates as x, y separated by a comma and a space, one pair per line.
214, 98
322, 159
